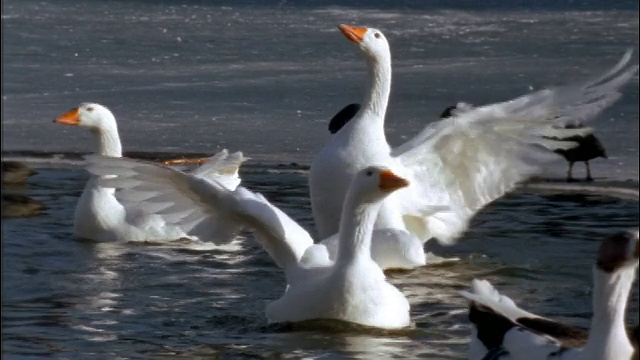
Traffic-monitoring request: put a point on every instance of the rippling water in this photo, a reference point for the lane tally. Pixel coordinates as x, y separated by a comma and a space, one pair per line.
71, 298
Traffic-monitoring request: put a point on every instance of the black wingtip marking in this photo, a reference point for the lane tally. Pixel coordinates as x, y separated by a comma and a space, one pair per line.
343, 117
448, 112
491, 327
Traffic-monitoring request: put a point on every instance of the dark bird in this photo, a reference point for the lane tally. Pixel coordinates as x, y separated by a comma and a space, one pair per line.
343, 117
456, 109
589, 148
17, 205
15, 172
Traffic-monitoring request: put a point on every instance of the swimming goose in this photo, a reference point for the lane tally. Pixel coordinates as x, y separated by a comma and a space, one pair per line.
501, 330
353, 288
166, 192
463, 162
99, 215
349, 287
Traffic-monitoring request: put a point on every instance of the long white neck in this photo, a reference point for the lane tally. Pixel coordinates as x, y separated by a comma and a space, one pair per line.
377, 95
356, 229
108, 138
607, 335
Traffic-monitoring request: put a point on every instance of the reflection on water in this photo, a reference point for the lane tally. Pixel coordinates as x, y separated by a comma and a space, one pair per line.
64, 296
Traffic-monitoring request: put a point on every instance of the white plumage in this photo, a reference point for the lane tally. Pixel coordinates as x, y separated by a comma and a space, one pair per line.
501, 330
340, 281
463, 162
101, 216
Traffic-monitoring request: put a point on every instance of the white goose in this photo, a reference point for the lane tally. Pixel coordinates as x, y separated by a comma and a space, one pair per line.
350, 288
501, 330
463, 162
99, 215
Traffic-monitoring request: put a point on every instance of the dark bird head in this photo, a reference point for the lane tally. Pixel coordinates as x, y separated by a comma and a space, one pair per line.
455, 110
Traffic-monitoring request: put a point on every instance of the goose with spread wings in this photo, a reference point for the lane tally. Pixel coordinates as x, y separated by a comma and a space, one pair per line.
463, 162
342, 283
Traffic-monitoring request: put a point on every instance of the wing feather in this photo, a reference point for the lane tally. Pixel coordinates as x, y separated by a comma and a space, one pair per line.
203, 207
478, 155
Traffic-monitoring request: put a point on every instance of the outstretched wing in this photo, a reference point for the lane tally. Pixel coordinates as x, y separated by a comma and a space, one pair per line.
501, 328
202, 207
223, 168
476, 156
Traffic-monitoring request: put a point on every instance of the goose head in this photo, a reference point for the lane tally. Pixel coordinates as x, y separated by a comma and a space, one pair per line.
374, 183
619, 251
93, 116
370, 41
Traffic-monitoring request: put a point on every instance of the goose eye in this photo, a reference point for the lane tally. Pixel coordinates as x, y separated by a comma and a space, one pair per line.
90, 108
377, 35
369, 173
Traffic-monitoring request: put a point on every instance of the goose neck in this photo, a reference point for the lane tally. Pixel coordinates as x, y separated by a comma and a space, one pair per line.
379, 87
356, 229
108, 141
610, 296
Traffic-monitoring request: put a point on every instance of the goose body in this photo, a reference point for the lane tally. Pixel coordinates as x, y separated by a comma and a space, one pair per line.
99, 215
463, 162
353, 287
501, 330
341, 281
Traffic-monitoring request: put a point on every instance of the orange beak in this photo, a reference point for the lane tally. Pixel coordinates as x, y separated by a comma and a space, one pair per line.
70, 118
353, 33
390, 181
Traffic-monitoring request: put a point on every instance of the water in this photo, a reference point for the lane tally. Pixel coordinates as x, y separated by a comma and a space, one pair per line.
70, 298
195, 77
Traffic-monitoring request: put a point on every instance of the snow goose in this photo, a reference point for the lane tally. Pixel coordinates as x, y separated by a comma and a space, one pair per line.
463, 162
99, 215
501, 330
350, 287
